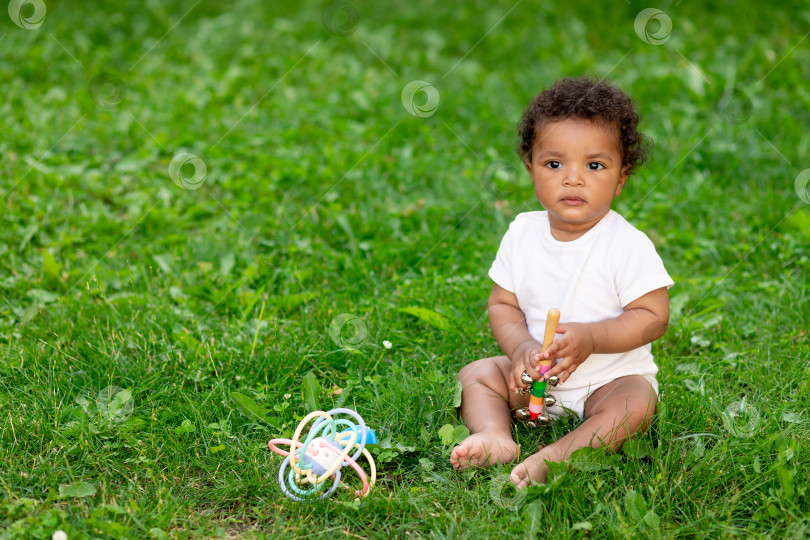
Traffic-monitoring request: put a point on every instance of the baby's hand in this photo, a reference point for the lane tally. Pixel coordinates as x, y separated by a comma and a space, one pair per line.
524, 358
573, 348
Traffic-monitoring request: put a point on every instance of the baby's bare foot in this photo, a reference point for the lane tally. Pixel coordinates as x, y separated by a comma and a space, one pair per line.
533, 469
483, 449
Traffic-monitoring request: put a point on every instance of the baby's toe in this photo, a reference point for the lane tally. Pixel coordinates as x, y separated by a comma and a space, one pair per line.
532, 470
520, 477
460, 452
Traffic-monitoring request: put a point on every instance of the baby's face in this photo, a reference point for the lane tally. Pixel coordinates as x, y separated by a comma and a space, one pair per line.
576, 169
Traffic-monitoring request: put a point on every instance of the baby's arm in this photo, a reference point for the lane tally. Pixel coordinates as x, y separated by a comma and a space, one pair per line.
644, 320
508, 324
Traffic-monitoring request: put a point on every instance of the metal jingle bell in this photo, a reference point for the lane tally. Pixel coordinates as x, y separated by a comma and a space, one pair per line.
523, 414
543, 419
532, 424
549, 401
553, 380
525, 378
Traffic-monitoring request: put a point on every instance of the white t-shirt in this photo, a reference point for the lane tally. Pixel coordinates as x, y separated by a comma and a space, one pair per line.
588, 279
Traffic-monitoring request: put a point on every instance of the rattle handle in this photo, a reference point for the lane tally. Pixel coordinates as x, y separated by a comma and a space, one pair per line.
552, 320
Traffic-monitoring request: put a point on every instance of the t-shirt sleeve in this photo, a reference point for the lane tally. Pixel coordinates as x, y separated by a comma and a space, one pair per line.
639, 269
501, 269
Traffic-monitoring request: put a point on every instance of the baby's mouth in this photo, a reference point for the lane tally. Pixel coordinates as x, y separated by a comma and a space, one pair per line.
573, 200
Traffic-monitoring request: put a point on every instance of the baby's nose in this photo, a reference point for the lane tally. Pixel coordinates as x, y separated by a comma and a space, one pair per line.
574, 177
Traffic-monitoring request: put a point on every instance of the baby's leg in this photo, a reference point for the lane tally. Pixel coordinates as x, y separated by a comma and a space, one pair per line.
485, 409
613, 414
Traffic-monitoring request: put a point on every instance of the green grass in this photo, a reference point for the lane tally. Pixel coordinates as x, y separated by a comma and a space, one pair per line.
323, 196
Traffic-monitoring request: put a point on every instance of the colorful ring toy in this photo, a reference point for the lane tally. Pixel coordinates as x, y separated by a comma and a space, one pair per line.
323, 454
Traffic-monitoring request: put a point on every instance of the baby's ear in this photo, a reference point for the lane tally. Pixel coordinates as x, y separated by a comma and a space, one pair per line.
622, 179
528, 164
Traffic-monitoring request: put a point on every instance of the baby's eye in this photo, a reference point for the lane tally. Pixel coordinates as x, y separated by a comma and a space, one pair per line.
595, 166
553, 164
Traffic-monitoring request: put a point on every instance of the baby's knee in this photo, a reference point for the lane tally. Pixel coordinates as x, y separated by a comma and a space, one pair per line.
635, 415
483, 370
644, 414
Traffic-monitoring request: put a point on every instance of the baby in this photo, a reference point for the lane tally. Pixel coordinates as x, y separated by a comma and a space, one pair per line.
579, 141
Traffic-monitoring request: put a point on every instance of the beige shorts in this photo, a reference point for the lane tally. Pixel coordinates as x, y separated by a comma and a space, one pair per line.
571, 401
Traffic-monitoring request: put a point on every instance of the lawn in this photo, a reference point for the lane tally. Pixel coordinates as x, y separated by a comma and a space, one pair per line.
205, 202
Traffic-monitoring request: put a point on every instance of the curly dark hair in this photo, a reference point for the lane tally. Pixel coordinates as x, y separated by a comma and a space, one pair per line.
585, 98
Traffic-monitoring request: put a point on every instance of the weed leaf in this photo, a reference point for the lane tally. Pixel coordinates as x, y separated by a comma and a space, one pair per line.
436, 320
592, 459
786, 481
652, 520
637, 448
460, 433
457, 394
77, 489
634, 505
50, 268
246, 406
446, 434
312, 392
